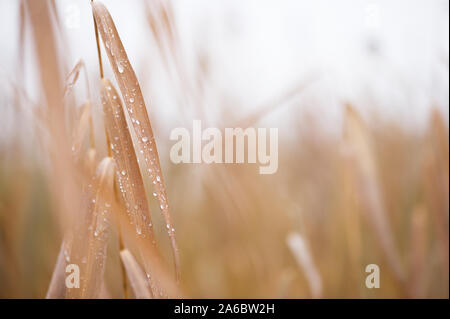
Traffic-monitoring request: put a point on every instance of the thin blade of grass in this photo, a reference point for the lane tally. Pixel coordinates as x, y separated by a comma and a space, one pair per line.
128, 174
64, 177
57, 288
73, 76
136, 275
304, 259
358, 141
83, 128
166, 285
88, 244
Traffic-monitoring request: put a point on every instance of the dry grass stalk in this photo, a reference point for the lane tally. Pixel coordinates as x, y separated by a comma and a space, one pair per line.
136, 275
71, 109
86, 247
137, 111
418, 255
304, 259
64, 177
57, 288
128, 174
44, 36
359, 145
83, 128
436, 184
163, 282
160, 19
73, 76
352, 218
282, 100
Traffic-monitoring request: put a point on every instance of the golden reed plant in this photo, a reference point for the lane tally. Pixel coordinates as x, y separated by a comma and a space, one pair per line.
105, 193
376, 194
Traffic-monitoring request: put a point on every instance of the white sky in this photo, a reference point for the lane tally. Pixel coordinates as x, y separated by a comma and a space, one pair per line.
260, 48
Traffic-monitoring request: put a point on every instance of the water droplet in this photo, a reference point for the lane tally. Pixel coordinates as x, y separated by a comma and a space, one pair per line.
131, 100
144, 139
119, 67
124, 173
158, 178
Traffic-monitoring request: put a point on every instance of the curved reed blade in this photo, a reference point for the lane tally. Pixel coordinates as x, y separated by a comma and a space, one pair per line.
47, 53
128, 174
161, 282
87, 245
64, 175
73, 76
57, 288
136, 275
137, 111
82, 129
303, 256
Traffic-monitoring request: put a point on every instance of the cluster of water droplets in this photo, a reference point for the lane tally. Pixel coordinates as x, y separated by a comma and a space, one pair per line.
146, 142
101, 212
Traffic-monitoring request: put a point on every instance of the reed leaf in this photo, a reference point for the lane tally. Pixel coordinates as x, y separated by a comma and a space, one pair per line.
357, 139
136, 275
128, 175
87, 245
137, 111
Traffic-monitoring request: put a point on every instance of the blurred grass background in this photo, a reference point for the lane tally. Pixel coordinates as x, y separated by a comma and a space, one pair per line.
232, 224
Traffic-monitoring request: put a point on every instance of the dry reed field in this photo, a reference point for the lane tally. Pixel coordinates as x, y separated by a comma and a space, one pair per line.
86, 180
